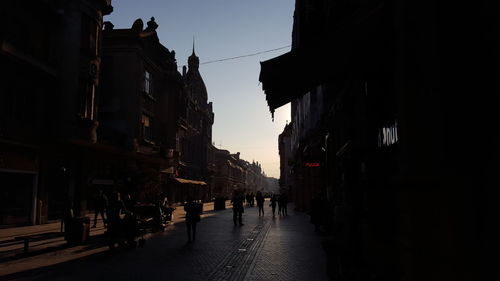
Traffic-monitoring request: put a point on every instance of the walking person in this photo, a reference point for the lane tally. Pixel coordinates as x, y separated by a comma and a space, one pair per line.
100, 208
260, 202
274, 200
193, 211
237, 201
280, 205
284, 204
118, 226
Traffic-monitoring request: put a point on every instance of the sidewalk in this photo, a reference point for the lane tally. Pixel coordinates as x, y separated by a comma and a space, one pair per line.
54, 251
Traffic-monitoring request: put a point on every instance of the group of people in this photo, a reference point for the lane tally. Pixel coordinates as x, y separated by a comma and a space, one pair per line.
112, 208
250, 199
282, 201
238, 198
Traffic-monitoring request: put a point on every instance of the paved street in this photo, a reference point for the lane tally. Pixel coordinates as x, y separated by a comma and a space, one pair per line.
284, 248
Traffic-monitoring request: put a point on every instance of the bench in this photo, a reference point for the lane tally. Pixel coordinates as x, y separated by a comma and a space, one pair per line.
37, 237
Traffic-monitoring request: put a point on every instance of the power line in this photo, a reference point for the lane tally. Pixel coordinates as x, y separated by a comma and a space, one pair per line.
244, 56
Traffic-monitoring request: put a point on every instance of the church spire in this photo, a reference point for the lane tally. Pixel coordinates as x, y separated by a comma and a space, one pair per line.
193, 60
193, 54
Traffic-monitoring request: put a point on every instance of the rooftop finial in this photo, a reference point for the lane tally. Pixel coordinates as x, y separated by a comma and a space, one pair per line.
193, 44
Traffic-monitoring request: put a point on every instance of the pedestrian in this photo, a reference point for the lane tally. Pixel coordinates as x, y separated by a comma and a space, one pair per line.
284, 203
237, 201
280, 205
129, 202
260, 202
193, 211
101, 205
116, 225
116, 208
317, 211
252, 199
274, 200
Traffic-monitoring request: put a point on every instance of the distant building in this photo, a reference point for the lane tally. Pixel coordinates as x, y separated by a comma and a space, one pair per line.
229, 175
286, 160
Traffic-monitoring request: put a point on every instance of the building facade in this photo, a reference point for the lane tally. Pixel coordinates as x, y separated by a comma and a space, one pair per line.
50, 52
195, 134
383, 114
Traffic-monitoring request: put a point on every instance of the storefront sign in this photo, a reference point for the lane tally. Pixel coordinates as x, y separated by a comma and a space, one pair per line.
312, 164
388, 136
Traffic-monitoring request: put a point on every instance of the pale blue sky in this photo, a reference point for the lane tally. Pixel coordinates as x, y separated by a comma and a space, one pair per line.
226, 28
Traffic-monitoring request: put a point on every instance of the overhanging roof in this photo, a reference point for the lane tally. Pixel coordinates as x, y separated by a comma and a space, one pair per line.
291, 75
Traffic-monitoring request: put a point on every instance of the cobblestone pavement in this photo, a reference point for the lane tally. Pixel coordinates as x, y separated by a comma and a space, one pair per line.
265, 248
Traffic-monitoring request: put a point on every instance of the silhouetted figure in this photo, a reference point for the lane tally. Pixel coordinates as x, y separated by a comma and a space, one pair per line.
317, 211
260, 202
282, 203
129, 202
252, 199
193, 211
237, 201
274, 200
101, 206
67, 219
116, 225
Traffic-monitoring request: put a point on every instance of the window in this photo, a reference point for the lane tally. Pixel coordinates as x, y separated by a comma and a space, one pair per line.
86, 108
147, 127
89, 41
147, 83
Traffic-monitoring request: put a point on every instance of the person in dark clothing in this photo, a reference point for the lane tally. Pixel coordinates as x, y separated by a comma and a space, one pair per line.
100, 207
280, 206
116, 207
252, 199
116, 225
317, 211
284, 203
129, 202
237, 201
260, 202
67, 219
274, 200
193, 211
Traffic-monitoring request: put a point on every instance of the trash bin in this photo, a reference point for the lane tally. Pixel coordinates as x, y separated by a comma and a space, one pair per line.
78, 230
219, 204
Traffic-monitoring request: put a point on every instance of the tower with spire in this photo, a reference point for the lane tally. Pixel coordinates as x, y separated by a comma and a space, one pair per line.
199, 118
194, 82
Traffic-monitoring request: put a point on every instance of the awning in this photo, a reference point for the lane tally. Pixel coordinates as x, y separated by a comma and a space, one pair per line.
186, 181
291, 75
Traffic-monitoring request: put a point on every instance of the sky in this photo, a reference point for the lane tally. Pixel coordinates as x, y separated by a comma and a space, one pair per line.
224, 29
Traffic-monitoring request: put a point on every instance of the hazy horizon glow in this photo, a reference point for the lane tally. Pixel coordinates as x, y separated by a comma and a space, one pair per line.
224, 29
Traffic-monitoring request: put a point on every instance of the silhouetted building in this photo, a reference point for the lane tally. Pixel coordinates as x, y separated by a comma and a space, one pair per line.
286, 160
50, 60
230, 174
383, 94
196, 120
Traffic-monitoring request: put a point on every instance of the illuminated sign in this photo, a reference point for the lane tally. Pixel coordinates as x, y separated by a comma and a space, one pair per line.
308, 164
388, 136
